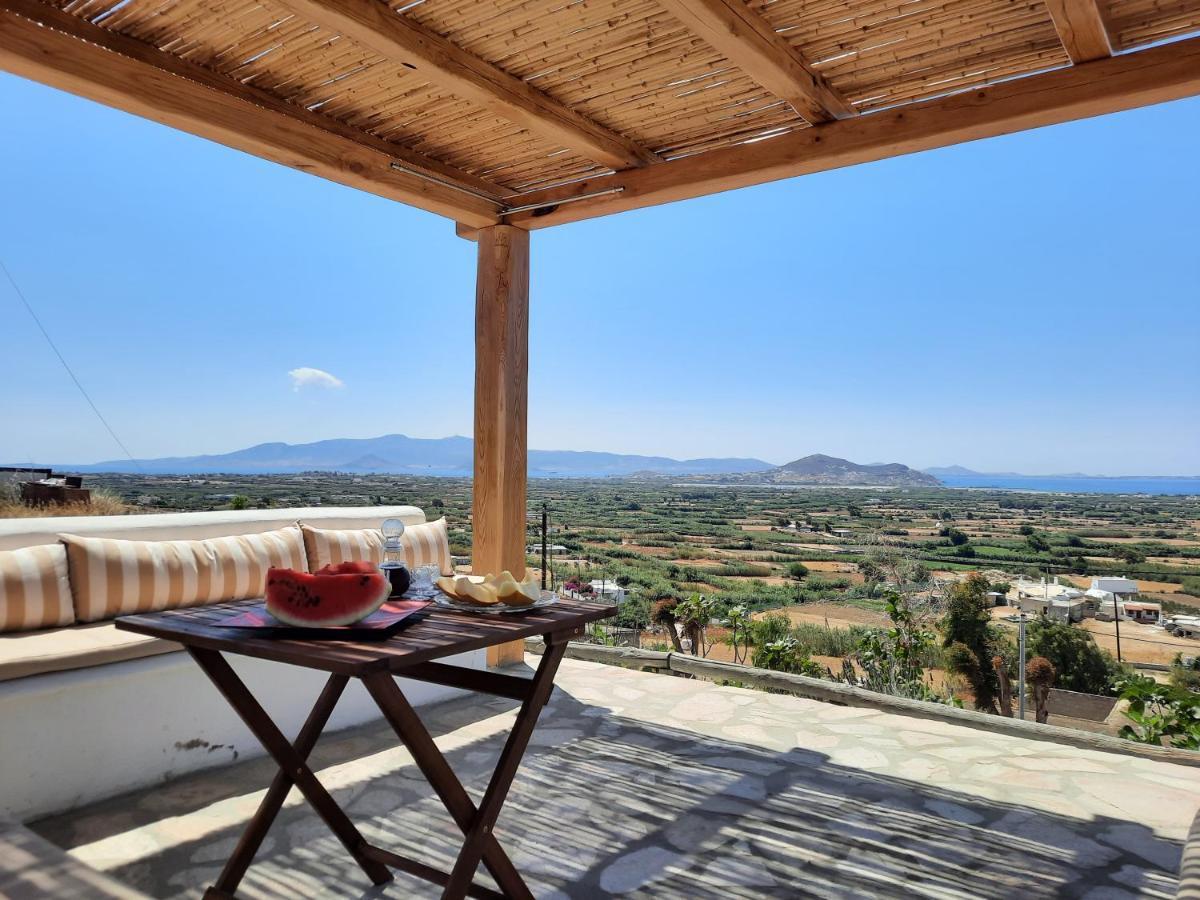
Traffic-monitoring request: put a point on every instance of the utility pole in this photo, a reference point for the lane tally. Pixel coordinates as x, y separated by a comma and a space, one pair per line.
1117, 622
1021, 666
545, 525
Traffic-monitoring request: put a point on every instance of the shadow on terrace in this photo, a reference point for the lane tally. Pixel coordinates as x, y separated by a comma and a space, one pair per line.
611, 800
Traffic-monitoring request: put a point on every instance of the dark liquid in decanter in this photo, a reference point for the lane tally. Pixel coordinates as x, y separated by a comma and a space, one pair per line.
399, 577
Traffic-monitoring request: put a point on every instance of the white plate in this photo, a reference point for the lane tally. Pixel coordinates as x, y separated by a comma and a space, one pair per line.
548, 598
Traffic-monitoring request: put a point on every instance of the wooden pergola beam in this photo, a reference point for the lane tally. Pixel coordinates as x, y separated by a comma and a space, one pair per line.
748, 41
55, 48
397, 38
1155, 75
1082, 28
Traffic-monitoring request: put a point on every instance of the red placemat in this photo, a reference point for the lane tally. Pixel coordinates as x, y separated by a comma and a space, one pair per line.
378, 626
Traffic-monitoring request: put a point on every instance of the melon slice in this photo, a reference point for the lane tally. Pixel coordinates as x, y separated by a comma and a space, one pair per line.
324, 600
506, 588
470, 592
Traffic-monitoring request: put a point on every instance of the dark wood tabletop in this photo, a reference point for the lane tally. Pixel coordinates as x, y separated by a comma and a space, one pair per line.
440, 634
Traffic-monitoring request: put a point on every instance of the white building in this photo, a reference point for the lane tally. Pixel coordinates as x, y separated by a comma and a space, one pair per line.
607, 589
1115, 597
1122, 587
1059, 609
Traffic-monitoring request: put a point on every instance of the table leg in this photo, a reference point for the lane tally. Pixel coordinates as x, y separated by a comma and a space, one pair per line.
290, 760
476, 824
480, 830
272, 802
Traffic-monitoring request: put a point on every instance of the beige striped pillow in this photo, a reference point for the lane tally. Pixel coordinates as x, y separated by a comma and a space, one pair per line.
424, 545
34, 590
114, 578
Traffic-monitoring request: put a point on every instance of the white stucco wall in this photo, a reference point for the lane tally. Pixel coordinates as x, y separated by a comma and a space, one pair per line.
70, 738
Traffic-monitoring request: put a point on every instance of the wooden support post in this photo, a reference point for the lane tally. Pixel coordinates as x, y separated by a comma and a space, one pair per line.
501, 398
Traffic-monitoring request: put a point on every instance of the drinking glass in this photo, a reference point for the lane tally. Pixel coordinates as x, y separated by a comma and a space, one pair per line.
426, 576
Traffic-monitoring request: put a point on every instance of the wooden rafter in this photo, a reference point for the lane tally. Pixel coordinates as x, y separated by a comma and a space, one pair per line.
400, 39
56, 48
748, 41
1156, 75
1082, 28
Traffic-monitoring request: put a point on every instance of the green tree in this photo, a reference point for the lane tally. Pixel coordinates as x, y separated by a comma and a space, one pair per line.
968, 635
957, 538
1079, 663
797, 570
1026, 530
1038, 543
239, 501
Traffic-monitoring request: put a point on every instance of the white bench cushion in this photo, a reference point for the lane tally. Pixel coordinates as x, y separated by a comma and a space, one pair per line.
75, 647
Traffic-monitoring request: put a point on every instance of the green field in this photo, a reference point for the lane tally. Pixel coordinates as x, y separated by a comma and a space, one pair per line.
665, 539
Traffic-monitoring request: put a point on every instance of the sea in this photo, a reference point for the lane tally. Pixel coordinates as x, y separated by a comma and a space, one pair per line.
1076, 484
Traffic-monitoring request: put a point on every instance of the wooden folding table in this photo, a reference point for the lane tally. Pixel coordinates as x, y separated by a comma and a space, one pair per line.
411, 653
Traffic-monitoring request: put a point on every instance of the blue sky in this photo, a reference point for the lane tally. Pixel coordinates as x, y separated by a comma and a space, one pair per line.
1027, 303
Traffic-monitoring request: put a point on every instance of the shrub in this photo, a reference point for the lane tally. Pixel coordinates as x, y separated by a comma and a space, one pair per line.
1160, 712
770, 628
1186, 676
785, 655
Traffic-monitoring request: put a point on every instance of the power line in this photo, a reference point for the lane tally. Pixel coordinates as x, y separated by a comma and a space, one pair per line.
42, 328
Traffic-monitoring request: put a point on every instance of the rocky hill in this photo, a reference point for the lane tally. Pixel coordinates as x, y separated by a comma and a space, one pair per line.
822, 469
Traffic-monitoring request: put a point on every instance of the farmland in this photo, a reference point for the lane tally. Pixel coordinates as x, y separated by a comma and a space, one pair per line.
802, 564
740, 545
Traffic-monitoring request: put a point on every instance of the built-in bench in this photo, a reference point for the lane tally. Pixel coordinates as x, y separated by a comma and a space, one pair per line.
90, 711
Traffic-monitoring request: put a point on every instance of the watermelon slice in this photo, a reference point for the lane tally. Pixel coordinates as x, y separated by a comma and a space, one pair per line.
325, 599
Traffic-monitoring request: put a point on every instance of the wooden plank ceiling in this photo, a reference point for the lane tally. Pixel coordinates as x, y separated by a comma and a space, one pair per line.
539, 112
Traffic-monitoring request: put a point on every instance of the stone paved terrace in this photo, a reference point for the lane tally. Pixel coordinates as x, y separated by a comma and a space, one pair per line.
654, 786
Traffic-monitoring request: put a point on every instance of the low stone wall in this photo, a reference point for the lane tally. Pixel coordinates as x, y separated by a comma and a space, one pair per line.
848, 695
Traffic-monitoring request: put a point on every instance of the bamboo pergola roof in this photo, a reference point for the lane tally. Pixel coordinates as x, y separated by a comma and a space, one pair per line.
537, 112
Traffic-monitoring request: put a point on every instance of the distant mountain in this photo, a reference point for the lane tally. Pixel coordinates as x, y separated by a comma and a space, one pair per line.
402, 455
822, 469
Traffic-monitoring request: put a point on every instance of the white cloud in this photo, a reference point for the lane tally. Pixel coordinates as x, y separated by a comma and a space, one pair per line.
307, 377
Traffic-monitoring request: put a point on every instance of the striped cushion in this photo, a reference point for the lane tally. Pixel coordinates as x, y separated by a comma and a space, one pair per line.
424, 545
34, 590
114, 578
